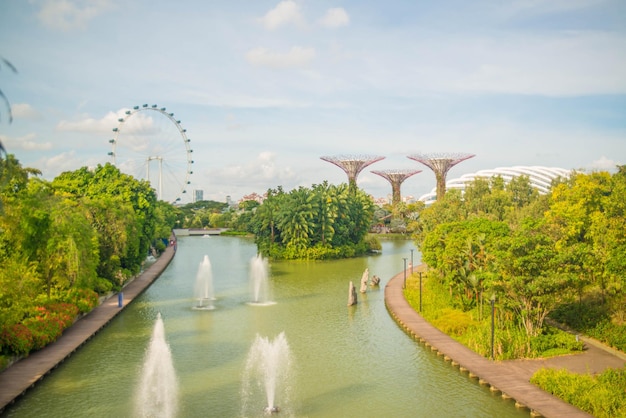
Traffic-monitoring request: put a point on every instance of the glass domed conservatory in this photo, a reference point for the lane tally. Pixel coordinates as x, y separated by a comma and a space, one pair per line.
540, 178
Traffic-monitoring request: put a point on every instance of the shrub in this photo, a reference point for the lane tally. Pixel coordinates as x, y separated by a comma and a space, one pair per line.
84, 299
16, 339
553, 341
601, 396
454, 322
102, 286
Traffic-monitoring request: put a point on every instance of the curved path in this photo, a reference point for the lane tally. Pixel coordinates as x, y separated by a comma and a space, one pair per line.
18, 378
509, 378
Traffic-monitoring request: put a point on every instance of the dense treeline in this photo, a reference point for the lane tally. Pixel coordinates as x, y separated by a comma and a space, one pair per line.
553, 255
64, 242
322, 222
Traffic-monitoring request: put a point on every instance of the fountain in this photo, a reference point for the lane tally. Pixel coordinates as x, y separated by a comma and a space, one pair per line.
157, 395
268, 365
259, 281
204, 286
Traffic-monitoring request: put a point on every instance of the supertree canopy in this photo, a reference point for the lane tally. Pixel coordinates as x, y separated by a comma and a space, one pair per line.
441, 163
396, 177
352, 165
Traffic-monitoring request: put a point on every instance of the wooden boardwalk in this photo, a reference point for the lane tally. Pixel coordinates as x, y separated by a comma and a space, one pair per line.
507, 378
18, 378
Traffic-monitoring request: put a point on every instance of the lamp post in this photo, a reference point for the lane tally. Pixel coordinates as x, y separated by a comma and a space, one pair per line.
411, 261
420, 291
493, 310
404, 285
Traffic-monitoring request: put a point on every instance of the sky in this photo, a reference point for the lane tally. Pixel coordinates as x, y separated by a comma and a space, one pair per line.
265, 88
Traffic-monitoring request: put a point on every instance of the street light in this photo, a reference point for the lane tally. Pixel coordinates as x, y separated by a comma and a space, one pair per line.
404, 285
411, 261
493, 311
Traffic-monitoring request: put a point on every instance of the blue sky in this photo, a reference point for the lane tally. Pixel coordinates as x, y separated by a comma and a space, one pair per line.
265, 88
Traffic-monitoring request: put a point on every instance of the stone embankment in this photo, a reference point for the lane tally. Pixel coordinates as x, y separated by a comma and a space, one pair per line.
24, 374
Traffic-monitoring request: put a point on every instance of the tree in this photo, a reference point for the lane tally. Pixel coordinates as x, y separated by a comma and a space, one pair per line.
132, 202
295, 219
531, 285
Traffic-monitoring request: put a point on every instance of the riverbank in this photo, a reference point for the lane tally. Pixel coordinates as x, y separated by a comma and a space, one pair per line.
511, 379
24, 374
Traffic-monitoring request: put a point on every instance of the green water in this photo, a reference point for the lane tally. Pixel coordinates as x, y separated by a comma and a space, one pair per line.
347, 361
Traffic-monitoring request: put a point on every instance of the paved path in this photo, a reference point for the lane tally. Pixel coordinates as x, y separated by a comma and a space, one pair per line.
18, 378
511, 378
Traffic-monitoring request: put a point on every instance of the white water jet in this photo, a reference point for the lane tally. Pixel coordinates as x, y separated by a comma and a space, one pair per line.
204, 286
268, 366
157, 394
259, 285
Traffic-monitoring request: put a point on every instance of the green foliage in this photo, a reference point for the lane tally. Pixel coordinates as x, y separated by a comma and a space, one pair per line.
324, 222
535, 253
473, 327
16, 339
453, 322
601, 396
84, 299
63, 241
551, 341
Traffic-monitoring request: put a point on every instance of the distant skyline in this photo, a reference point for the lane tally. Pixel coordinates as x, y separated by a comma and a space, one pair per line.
265, 88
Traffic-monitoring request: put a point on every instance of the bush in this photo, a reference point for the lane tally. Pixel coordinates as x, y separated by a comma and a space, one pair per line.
84, 299
553, 341
16, 339
102, 286
47, 323
601, 396
454, 322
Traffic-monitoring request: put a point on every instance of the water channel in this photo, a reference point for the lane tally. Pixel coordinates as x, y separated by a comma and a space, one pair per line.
346, 361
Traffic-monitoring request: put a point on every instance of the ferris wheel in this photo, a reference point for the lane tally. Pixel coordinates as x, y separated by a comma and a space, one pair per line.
149, 143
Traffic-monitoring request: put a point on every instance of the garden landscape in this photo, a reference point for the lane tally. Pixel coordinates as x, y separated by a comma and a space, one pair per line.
344, 209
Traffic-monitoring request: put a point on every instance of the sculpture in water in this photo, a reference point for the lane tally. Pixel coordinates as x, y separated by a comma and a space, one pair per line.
352, 299
157, 394
375, 280
259, 275
268, 367
204, 286
364, 279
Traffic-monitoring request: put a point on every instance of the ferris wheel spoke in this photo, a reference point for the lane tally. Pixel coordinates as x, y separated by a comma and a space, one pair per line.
150, 143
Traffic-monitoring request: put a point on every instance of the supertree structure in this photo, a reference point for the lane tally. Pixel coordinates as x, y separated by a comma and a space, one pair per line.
441, 163
352, 165
396, 177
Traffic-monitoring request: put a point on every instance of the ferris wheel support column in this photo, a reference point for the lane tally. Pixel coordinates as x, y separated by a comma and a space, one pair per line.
160, 178
160, 160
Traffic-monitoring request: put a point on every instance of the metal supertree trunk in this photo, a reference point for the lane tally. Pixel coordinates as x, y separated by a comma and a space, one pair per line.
396, 177
441, 163
352, 165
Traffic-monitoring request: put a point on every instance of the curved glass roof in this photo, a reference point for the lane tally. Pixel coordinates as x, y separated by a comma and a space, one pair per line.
540, 178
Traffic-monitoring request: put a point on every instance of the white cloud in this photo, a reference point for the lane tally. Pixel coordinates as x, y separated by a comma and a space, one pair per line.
140, 123
66, 161
335, 17
297, 57
26, 143
549, 64
258, 174
90, 125
25, 111
286, 12
540, 7
603, 163
71, 14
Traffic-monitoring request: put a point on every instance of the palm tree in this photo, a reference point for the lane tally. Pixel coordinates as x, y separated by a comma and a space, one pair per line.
6, 101
296, 219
